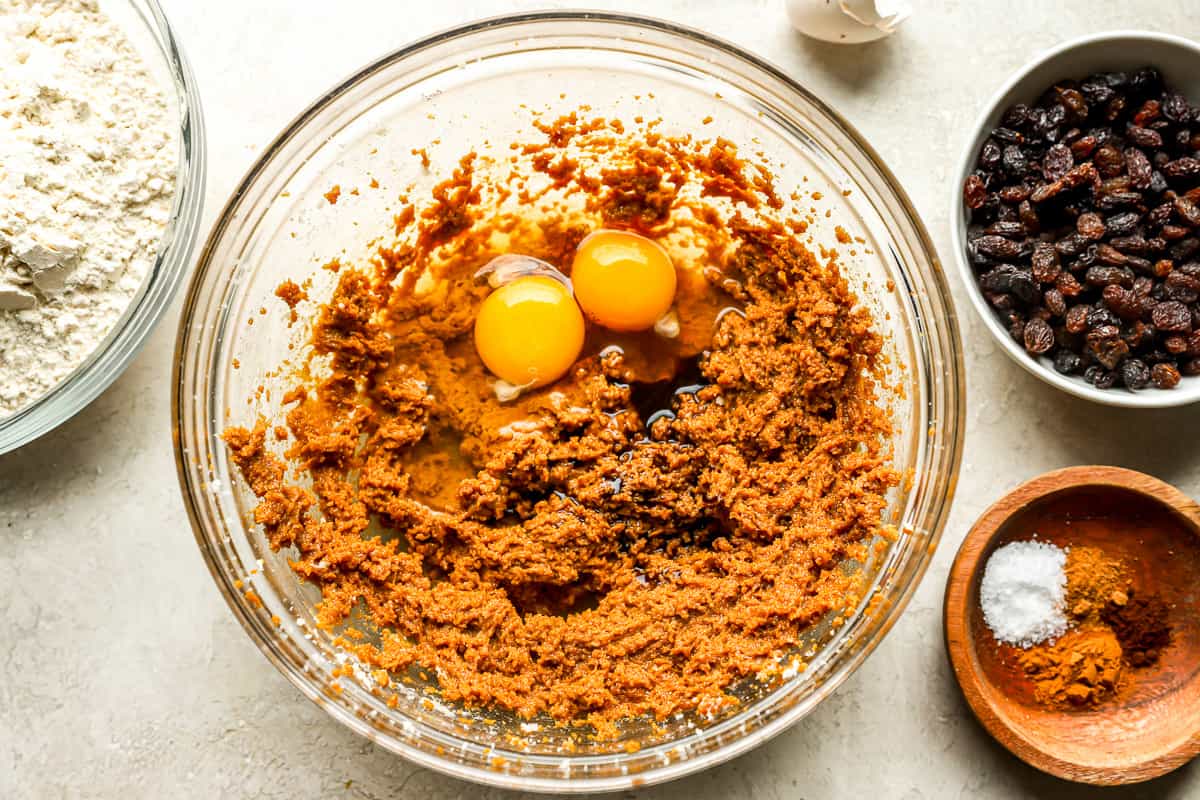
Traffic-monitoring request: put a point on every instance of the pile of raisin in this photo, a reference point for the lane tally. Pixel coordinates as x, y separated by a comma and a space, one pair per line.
1084, 229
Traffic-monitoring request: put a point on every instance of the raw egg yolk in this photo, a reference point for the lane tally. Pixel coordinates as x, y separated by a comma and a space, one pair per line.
624, 281
529, 331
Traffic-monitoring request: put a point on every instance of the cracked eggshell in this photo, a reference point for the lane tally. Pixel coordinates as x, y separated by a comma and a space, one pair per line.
847, 21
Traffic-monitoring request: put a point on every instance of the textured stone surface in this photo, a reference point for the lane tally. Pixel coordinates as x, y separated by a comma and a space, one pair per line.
122, 673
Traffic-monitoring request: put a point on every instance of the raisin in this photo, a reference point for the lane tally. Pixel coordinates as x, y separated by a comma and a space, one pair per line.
1129, 244
998, 247
1105, 379
1091, 225
974, 191
1014, 161
1029, 217
1114, 108
1191, 367
1096, 91
1176, 345
1188, 211
1009, 228
1100, 317
1111, 185
1015, 116
1070, 245
1076, 318
1074, 103
1001, 301
989, 156
1173, 232
1083, 175
1049, 121
1009, 135
1184, 248
1121, 224
1010, 279
1181, 288
1038, 336
1068, 284
1171, 315
1139, 335
1067, 363
1016, 328
1135, 374
1165, 376
1054, 302
1106, 346
1046, 191
1122, 302
1146, 80
1186, 167
1147, 113
1083, 146
1107, 254
1109, 161
1045, 262
1015, 193
1057, 162
1112, 200
1176, 109
1145, 137
1140, 171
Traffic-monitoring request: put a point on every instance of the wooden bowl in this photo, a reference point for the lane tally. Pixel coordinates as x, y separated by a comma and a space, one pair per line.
1152, 725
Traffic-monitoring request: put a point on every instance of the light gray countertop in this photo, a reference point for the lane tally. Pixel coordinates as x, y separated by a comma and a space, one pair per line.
122, 672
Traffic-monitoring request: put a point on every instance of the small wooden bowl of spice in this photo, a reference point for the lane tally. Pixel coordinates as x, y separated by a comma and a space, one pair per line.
1072, 621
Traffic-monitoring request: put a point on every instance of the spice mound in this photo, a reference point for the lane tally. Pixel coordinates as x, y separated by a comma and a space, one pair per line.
88, 154
1081, 668
1023, 592
633, 536
1076, 647
1084, 233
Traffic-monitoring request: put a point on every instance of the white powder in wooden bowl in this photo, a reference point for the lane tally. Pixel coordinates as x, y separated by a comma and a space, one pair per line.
1024, 593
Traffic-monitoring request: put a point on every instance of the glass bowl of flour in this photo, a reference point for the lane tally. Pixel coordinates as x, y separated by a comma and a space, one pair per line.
101, 184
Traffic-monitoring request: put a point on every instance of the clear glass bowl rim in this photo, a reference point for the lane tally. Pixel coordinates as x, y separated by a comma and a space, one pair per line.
115, 354
945, 452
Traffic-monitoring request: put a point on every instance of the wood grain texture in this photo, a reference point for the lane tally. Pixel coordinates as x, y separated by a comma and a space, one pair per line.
1152, 728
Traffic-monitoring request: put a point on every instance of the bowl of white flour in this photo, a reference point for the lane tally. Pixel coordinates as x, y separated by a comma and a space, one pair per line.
101, 181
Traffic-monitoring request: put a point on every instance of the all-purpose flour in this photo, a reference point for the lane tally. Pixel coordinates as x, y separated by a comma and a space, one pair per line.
88, 152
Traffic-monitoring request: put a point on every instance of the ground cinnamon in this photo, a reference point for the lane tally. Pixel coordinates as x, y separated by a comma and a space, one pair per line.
1082, 668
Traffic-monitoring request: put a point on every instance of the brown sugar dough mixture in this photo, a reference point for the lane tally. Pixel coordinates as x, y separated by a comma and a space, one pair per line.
574, 553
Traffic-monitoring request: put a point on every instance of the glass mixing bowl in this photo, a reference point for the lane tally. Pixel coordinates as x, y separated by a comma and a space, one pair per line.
458, 91
145, 25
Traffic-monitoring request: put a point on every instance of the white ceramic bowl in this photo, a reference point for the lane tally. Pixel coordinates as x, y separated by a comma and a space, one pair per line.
1179, 61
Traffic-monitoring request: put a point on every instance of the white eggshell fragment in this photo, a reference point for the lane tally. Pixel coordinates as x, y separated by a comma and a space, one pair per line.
847, 21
